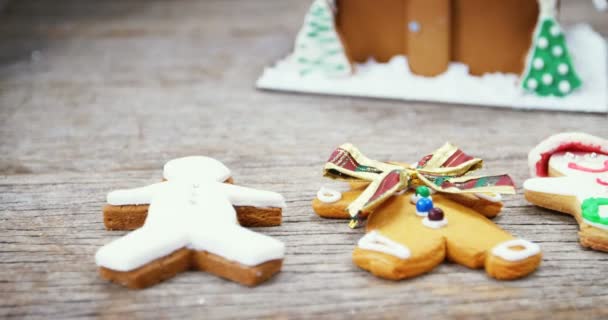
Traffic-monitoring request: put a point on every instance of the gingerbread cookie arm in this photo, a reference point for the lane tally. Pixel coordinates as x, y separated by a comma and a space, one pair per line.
556, 193
391, 234
332, 203
243, 196
255, 208
127, 209
488, 205
135, 196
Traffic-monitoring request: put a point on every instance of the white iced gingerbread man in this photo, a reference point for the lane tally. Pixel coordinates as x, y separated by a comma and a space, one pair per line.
571, 171
192, 209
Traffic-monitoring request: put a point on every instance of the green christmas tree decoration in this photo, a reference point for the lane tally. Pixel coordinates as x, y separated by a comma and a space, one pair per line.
549, 71
318, 48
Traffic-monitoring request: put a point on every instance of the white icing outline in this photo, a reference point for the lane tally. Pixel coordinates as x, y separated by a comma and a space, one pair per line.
334, 195
422, 214
414, 198
193, 209
552, 143
596, 225
374, 241
434, 224
503, 250
496, 198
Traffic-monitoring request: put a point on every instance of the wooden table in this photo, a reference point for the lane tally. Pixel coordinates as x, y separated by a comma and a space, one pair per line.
96, 96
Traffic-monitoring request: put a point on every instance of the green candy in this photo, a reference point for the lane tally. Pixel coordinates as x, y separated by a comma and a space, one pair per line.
423, 191
591, 210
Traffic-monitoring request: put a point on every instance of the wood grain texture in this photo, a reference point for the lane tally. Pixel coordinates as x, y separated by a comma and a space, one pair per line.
96, 96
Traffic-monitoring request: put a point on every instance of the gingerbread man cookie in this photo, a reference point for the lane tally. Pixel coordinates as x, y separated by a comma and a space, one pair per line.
571, 176
191, 221
418, 216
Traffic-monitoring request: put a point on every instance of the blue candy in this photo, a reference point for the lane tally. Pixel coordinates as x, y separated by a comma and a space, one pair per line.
424, 205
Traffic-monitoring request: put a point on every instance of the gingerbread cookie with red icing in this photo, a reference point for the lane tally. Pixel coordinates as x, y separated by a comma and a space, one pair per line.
570, 173
419, 216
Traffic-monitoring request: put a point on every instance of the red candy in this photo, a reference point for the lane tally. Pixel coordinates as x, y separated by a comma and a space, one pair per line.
435, 214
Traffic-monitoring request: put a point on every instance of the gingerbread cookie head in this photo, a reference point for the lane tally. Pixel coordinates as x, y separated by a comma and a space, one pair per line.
191, 220
570, 173
195, 168
418, 216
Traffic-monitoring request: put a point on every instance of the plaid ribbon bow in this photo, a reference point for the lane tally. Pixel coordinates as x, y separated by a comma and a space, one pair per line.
445, 170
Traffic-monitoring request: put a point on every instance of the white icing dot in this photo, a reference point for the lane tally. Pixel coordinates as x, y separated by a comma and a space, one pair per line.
538, 63
557, 51
555, 31
547, 79
327, 195
506, 250
563, 68
532, 84
434, 224
543, 42
414, 198
564, 86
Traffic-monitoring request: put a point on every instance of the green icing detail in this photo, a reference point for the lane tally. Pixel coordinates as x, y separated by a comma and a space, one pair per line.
550, 71
481, 182
591, 210
439, 181
362, 168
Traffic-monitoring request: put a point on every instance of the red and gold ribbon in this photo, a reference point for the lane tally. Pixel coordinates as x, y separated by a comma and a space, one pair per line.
445, 170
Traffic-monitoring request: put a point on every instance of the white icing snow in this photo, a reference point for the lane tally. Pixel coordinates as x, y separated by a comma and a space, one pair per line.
601, 5
393, 80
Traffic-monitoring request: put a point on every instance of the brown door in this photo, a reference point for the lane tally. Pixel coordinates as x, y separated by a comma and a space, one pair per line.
493, 35
428, 36
371, 28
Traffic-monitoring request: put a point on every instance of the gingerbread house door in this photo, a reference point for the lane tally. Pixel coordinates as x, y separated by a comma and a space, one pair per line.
427, 40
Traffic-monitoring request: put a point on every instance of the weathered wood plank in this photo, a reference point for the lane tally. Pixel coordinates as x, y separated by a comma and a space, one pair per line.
96, 96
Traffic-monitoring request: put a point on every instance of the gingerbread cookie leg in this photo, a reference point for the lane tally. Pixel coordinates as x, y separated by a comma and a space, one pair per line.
237, 254
397, 246
476, 242
143, 258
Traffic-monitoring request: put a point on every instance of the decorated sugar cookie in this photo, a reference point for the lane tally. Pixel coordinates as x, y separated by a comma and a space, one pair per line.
194, 219
571, 176
418, 216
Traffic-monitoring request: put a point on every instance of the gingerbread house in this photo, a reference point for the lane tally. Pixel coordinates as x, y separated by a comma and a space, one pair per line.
486, 35
489, 52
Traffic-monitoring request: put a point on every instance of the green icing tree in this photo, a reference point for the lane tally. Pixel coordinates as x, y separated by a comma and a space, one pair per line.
318, 47
549, 71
